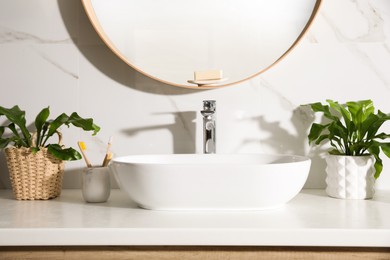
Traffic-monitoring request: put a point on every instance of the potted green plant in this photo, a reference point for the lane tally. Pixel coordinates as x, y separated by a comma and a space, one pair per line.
35, 164
352, 130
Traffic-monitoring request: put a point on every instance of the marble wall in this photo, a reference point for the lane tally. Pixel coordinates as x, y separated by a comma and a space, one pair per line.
51, 56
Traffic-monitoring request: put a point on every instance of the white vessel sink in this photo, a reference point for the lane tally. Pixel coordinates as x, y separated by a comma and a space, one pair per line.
211, 181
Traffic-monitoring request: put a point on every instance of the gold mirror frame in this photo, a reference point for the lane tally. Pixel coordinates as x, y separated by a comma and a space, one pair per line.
98, 28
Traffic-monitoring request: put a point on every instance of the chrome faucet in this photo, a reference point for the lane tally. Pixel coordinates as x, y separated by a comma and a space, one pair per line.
208, 113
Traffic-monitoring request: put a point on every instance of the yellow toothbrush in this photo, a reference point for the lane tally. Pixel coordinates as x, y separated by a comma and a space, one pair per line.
83, 147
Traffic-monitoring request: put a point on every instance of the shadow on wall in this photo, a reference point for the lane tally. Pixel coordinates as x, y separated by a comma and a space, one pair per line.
182, 130
5, 182
284, 141
106, 61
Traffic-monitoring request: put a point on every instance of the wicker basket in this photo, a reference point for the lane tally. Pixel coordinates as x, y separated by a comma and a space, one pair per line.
34, 176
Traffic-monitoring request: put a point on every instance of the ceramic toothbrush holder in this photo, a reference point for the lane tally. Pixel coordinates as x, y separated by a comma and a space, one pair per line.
96, 184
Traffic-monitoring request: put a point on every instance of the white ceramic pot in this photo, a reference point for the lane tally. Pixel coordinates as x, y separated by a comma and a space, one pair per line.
350, 177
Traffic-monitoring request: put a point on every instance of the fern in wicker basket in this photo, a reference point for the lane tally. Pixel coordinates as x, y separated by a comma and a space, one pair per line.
35, 165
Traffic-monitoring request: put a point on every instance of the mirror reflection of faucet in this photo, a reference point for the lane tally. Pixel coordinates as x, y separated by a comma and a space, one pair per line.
209, 137
207, 78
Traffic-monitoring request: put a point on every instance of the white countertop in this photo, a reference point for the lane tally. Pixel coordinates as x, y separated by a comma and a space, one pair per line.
310, 219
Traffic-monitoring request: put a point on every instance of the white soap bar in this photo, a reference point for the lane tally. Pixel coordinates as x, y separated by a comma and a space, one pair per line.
208, 75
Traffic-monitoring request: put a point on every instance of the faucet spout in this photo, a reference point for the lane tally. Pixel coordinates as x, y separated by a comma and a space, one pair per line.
209, 137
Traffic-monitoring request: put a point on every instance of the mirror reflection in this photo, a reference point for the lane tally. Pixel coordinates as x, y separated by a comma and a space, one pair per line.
170, 40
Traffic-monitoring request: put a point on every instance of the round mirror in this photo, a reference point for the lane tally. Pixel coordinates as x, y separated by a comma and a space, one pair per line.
170, 40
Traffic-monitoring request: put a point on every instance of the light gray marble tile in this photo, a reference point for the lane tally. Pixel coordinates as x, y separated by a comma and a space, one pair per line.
38, 21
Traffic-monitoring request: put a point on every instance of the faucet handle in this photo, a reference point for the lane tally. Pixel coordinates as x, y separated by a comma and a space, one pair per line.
209, 105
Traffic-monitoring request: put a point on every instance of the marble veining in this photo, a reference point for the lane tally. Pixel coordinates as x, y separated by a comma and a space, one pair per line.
371, 65
56, 64
374, 19
369, 20
284, 101
7, 35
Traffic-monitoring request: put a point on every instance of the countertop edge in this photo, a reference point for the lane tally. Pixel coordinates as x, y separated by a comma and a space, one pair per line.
194, 237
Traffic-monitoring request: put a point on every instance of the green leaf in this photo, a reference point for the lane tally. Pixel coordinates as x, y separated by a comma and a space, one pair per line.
12, 127
378, 167
338, 145
360, 110
17, 139
374, 150
368, 125
337, 129
85, 124
357, 149
385, 148
74, 119
40, 121
17, 116
315, 131
45, 127
382, 136
4, 142
41, 118
65, 154
375, 125
368, 108
340, 109
56, 123
322, 138
318, 107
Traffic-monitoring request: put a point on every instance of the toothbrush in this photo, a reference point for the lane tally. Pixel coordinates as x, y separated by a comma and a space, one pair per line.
108, 155
83, 147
